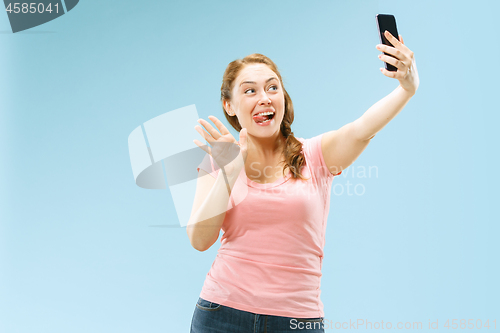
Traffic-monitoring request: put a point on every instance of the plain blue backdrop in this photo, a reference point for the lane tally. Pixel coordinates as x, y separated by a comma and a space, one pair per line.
84, 249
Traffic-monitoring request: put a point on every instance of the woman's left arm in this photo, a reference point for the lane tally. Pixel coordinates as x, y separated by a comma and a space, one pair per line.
382, 112
343, 146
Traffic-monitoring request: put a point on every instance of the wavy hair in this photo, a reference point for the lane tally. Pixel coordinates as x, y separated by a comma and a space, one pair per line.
294, 158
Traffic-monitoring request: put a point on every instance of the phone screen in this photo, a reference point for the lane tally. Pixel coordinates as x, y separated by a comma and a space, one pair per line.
387, 22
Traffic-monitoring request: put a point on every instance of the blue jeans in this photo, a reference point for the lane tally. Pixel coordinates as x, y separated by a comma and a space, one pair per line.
211, 317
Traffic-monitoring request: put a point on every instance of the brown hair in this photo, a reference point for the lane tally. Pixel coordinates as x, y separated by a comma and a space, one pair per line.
294, 158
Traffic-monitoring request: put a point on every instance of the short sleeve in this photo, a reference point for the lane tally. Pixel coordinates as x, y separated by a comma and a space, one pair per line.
316, 159
209, 165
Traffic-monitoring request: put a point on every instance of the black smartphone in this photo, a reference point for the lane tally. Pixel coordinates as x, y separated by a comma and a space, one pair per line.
387, 22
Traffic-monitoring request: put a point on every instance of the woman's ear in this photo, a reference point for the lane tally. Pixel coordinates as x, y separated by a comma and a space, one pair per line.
227, 107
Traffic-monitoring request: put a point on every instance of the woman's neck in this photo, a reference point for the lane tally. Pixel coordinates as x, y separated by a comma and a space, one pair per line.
266, 148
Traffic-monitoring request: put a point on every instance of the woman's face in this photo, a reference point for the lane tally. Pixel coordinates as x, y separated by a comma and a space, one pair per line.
257, 89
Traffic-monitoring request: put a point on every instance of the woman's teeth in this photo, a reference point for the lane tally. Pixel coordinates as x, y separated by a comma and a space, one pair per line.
263, 117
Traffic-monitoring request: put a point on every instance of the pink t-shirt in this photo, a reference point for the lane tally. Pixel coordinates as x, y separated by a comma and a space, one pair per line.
271, 252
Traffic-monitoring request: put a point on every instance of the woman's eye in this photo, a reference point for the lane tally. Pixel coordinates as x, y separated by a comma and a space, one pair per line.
276, 88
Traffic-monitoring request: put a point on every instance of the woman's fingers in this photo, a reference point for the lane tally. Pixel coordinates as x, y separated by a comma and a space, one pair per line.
210, 129
401, 72
202, 146
399, 51
403, 59
395, 53
219, 125
398, 44
400, 57
387, 73
204, 134
243, 144
392, 61
243, 138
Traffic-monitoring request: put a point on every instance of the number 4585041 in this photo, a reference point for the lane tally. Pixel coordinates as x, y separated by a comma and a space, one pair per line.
32, 8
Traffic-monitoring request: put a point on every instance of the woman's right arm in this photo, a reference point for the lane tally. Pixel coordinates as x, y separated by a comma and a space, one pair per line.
212, 195
209, 209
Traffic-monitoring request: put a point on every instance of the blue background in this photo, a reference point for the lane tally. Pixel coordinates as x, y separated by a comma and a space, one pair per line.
84, 249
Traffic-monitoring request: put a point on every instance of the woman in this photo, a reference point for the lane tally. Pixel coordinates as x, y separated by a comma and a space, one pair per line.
272, 198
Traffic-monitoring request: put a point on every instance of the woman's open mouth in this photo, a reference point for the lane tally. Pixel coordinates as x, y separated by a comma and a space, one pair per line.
264, 118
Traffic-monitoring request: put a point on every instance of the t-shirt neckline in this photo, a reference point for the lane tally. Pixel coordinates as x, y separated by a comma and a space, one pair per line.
251, 183
244, 178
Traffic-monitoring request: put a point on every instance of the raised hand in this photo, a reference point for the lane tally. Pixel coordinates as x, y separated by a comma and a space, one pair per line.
403, 59
227, 153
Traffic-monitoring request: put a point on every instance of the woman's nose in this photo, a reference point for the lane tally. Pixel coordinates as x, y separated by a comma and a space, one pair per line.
264, 99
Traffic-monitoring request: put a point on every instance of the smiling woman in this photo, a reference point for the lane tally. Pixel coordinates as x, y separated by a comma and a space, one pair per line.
271, 202
267, 273
253, 93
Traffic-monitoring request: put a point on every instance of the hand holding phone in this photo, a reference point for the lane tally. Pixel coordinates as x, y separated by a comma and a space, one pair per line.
399, 59
387, 22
